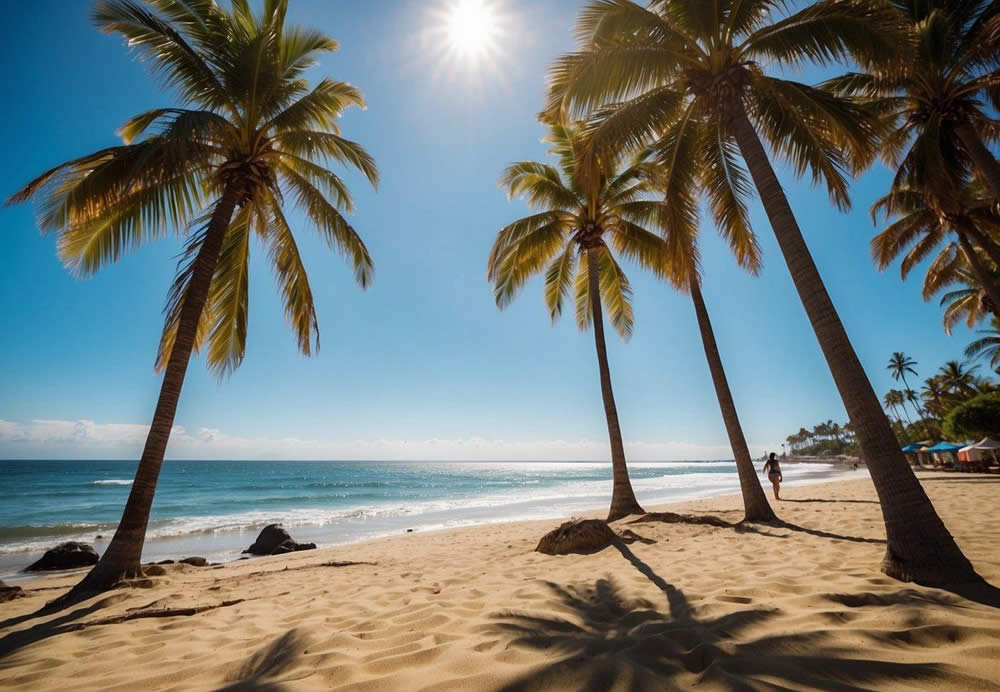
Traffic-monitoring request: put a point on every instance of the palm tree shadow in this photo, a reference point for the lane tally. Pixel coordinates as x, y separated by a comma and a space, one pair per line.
19, 639
745, 526
613, 641
258, 672
703, 520
817, 499
824, 534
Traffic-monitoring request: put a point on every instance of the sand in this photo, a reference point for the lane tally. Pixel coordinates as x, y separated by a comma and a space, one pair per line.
775, 607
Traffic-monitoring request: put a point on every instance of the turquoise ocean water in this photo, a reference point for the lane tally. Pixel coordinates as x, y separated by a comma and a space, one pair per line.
216, 508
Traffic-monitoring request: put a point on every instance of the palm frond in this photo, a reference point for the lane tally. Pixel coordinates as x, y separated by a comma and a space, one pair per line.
558, 279
333, 227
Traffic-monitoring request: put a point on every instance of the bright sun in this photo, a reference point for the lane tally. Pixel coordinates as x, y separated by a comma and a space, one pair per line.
471, 27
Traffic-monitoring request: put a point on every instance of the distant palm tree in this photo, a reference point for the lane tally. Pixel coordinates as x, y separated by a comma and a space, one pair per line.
249, 134
892, 400
987, 346
958, 377
936, 397
583, 217
919, 230
899, 365
936, 94
652, 76
899, 398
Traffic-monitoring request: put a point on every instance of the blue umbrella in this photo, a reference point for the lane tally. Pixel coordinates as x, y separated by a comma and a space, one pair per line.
944, 447
912, 447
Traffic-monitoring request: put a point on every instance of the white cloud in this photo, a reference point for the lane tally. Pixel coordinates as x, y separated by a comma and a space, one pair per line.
87, 439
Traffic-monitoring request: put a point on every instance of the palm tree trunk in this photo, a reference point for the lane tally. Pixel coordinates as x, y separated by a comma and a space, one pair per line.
906, 412
122, 557
981, 156
918, 545
755, 504
623, 502
902, 427
992, 290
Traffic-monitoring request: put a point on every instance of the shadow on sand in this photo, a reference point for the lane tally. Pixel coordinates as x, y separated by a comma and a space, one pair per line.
14, 641
613, 641
817, 499
747, 527
260, 670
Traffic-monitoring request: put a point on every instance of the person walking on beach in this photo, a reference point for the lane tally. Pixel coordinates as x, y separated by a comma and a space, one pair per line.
773, 471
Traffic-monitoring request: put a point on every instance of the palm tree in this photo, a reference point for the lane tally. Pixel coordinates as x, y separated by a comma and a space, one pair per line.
935, 94
651, 77
588, 217
895, 398
899, 365
755, 504
248, 133
968, 302
920, 230
721, 184
936, 397
958, 378
987, 346
892, 400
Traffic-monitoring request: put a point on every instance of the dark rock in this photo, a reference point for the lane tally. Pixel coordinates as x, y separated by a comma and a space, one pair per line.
9, 593
66, 556
154, 571
268, 540
274, 540
285, 547
409, 531
586, 536
165, 562
196, 561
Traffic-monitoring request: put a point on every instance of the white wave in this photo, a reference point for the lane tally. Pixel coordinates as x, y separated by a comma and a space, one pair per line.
113, 481
516, 503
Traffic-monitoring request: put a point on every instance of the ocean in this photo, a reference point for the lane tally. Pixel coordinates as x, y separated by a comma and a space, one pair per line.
215, 509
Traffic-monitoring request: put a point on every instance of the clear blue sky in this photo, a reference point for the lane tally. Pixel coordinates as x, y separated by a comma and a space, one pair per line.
421, 364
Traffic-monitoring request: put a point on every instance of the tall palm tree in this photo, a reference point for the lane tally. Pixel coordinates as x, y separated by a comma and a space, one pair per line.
248, 133
583, 217
651, 76
935, 95
892, 400
755, 504
959, 378
936, 397
899, 399
919, 230
899, 365
721, 183
987, 346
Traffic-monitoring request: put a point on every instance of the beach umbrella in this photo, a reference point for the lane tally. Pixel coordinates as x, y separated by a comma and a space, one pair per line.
944, 447
980, 450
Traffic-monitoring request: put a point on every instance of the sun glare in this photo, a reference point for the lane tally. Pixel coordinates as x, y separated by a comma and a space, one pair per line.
471, 28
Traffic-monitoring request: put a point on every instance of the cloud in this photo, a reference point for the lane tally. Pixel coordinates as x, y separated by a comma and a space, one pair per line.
86, 439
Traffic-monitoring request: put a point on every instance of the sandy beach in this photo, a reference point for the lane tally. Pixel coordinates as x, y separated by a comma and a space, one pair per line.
792, 606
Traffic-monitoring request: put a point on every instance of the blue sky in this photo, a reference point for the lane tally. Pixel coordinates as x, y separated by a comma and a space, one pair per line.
422, 365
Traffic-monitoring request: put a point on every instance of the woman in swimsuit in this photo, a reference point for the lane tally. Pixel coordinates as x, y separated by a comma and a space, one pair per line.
773, 471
